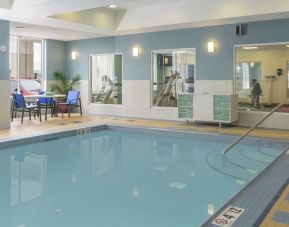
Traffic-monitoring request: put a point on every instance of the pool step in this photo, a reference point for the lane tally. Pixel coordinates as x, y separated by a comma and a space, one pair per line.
219, 162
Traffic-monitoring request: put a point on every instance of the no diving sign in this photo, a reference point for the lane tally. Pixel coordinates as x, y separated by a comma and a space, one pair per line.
228, 216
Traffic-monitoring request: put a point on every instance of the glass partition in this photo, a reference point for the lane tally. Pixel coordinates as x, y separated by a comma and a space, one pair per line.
287, 80
106, 78
173, 72
26, 65
261, 75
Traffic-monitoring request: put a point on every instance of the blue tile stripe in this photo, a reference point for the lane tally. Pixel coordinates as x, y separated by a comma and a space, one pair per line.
212, 137
281, 217
15, 142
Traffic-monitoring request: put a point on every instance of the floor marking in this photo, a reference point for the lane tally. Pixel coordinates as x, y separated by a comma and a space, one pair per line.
83, 131
240, 181
228, 216
160, 168
177, 185
252, 171
192, 174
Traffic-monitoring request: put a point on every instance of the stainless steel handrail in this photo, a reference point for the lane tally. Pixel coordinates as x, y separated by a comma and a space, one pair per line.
252, 128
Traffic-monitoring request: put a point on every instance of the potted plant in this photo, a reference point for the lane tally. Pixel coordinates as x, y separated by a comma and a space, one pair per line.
63, 85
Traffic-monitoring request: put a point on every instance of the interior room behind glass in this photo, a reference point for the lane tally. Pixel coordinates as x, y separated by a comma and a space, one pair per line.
173, 72
261, 76
26, 65
106, 78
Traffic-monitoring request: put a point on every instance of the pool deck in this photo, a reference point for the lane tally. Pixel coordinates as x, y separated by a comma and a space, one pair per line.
34, 127
278, 215
264, 188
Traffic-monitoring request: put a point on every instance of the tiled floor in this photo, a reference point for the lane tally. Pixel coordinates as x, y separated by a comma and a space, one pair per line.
278, 216
34, 127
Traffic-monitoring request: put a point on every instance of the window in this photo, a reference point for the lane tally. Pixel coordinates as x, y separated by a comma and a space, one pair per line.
173, 72
245, 73
106, 78
261, 79
26, 65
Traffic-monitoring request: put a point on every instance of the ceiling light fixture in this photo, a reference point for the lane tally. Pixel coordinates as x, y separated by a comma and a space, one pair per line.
287, 45
250, 48
113, 6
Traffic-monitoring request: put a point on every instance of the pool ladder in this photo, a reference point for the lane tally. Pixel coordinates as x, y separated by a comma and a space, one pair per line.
252, 128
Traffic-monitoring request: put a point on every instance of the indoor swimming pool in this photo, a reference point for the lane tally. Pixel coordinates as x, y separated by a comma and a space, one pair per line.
126, 178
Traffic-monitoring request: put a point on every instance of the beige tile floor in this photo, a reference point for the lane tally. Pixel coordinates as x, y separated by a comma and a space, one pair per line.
282, 204
35, 127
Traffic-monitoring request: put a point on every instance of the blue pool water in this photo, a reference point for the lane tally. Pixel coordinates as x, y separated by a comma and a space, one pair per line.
121, 179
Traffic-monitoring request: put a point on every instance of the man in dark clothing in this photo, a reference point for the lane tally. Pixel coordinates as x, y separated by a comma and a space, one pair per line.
256, 92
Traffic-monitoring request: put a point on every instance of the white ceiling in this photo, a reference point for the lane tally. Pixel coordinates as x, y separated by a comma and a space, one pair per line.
43, 18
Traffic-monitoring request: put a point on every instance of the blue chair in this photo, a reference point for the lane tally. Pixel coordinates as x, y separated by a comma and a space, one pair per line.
73, 101
20, 104
46, 103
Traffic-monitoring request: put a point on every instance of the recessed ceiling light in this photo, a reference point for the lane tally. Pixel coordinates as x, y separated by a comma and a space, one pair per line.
19, 27
113, 6
287, 45
250, 48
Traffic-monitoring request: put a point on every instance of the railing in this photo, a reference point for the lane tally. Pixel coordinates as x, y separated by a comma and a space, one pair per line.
252, 128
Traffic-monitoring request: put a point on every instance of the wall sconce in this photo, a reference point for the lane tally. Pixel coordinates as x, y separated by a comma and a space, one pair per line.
135, 51
74, 55
166, 61
211, 47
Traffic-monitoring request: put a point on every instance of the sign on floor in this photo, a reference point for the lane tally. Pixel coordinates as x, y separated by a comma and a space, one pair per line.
228, 216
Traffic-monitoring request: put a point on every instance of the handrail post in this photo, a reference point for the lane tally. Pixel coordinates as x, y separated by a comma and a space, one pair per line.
252, 128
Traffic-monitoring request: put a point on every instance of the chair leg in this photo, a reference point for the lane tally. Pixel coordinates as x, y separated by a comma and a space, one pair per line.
80, 107
39, 110
29, 114
46, 113
22, 116
51, 111
12, 114
69, 109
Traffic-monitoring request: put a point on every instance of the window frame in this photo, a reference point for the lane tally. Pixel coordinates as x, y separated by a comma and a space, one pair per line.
90, 79
43, 60
152, 106
250, 45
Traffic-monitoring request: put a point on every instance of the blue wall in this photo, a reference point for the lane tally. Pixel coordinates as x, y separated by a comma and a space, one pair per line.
85, 48
209, 66
55, 57
4, 56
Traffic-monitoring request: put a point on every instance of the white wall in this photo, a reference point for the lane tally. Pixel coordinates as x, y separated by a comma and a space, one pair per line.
5, 104
136, 102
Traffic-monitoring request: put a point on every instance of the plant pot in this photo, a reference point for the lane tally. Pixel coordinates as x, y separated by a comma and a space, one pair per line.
62, 108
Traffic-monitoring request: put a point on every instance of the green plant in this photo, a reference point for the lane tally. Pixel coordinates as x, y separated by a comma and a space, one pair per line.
63, 84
